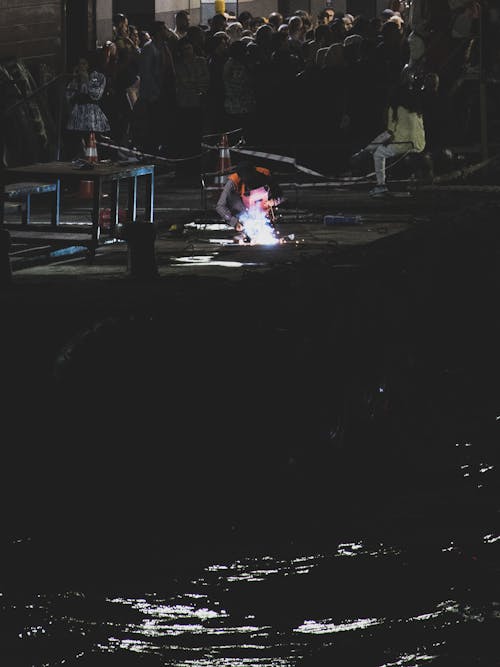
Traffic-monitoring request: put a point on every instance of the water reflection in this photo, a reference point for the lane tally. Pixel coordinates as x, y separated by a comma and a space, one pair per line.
269, 610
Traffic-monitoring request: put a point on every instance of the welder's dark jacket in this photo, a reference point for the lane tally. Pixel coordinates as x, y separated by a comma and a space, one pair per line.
231, 202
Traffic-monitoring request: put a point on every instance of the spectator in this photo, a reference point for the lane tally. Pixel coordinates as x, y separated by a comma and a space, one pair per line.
322, 39
218, 23
391, 56
244, 18
239, 92
234, 31
386, 14
215, 120
364, 109
156, 106
182, 21
337, 27
256, 22
275, 19
83, 93
192, 82
405, 134
121, 36
326, 16
348, 21
196, 35
126, 86
144, 38
133, 34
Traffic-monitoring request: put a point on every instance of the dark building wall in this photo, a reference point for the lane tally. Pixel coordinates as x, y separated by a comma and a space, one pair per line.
367, 8
31, 30
79, 30
141, 14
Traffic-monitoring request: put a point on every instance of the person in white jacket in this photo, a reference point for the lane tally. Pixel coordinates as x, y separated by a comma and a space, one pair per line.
405, 134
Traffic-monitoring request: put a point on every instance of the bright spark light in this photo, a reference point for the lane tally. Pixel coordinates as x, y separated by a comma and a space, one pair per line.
257, 227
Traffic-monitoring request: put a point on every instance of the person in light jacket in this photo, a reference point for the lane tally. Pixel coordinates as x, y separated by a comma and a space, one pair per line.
405, 134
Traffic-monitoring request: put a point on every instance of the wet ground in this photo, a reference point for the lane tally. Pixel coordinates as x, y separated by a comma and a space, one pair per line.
293, 461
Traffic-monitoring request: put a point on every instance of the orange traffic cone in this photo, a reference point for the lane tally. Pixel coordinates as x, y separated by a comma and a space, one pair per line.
224, 161
90, 150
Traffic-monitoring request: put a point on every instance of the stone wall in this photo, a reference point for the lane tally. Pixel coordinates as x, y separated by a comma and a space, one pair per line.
31, 29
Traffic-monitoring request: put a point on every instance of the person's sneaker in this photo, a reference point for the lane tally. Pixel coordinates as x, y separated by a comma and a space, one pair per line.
379, 191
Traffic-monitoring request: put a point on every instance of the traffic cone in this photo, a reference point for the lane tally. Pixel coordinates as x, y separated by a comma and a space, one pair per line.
224, 162
90, 151
91, 148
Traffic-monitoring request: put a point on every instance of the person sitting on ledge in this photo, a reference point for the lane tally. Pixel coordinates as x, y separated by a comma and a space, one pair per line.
405, 134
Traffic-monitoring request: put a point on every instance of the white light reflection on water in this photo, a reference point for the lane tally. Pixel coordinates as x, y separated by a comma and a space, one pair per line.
135, 645
410, 660
256, 575
329, 626
255, 570
232, 662
169, 612
258, 569
351, 549
187, 626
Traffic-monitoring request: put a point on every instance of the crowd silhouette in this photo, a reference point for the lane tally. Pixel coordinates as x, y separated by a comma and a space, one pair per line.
320, 82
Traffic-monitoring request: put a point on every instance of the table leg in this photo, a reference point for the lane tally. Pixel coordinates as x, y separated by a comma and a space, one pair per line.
115, 206
149, 206
96, 206
55, 204
132, 199
3, 198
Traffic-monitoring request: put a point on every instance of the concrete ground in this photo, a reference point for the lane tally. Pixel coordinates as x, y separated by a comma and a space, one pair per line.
190, 238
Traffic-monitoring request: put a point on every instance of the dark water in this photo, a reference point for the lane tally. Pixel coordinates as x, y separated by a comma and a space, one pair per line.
302, 472
357, 604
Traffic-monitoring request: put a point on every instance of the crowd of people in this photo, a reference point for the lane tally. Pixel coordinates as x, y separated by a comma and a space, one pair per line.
304, 80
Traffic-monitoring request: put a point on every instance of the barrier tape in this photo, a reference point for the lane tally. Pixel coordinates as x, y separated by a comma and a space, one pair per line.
289, 160
220, 134
267, 156
280, 158
293, 161
154, 156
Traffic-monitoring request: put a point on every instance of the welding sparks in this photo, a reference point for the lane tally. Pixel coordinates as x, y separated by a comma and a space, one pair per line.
257, 227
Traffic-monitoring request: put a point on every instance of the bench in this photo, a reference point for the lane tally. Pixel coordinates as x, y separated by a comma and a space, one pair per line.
22, 192
47, 177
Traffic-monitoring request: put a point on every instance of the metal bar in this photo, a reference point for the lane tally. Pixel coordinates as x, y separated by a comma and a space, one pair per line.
115, 206
56, 204
96, 203
149, 207
132, 199
3, 197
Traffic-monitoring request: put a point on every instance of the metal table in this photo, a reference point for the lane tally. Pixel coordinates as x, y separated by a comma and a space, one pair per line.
100, 173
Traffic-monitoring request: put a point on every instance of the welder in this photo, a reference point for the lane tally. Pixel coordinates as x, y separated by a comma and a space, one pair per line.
248, 188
